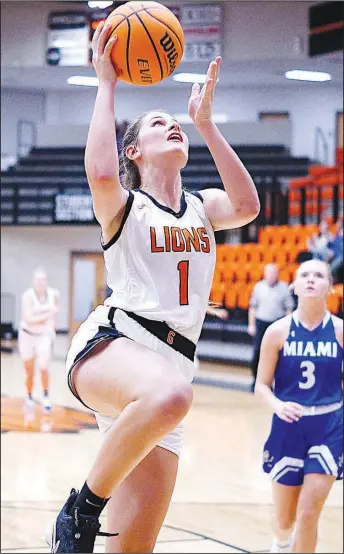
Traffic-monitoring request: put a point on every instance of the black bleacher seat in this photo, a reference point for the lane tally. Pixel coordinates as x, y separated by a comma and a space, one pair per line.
65, 166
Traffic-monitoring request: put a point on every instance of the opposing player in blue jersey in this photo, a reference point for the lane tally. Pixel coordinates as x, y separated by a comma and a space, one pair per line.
299, 377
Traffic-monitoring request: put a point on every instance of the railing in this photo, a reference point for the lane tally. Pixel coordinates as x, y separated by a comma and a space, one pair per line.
321, 140
7, 308
24, 145
7, 332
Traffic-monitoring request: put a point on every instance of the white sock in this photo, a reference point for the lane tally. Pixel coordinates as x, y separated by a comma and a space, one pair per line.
281, 546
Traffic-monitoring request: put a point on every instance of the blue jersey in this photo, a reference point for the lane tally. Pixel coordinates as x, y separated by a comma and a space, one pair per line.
309, 367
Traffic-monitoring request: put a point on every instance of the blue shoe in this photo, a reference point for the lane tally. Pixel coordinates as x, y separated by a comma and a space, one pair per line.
72, 532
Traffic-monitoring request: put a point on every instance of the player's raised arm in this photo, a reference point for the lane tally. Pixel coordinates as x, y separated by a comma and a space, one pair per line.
101, 156
239, 203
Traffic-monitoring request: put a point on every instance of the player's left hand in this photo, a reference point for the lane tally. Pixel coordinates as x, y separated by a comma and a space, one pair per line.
201, 100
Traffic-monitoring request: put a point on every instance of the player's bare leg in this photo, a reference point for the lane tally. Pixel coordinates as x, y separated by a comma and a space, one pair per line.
29, 367
138, 508
152, 395
285, 505
315, 490
45, 387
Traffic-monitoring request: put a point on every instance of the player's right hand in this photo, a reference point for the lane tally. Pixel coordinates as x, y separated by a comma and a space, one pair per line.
289, 411
101, 50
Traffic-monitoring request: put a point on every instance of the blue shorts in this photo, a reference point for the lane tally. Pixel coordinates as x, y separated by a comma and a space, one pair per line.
314, 444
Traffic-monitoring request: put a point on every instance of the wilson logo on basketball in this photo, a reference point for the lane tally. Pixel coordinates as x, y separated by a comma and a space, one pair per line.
16, 417
169, 47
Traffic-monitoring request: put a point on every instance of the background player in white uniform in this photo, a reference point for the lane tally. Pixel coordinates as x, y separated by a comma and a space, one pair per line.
39, 308
159, 252
302, 354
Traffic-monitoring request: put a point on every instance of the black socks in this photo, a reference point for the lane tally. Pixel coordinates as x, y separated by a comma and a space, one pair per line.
89, 503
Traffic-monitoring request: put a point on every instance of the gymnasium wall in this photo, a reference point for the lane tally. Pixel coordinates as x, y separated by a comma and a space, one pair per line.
25, 248
18, 105
269, 29
309, 107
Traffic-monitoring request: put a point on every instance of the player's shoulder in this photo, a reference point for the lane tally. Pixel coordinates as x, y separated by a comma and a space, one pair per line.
28, 293
337, 321
54, 292
278, 331
212, 193
338, 327
196, 199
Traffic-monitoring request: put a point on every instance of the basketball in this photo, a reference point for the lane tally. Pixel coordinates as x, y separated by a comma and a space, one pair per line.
150, 42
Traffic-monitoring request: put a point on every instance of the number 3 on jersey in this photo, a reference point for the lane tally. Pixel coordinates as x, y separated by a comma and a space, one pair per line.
183, 268
308, 374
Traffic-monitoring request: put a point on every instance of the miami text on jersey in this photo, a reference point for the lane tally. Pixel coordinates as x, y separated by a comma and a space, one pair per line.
309, 348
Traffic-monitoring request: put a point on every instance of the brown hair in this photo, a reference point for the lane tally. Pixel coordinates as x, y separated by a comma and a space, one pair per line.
129, 172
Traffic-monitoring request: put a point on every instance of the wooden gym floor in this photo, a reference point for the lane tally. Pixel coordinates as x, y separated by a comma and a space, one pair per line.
222, 500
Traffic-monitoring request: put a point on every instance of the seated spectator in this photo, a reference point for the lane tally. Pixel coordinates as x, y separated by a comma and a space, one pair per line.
336, 250
318, 244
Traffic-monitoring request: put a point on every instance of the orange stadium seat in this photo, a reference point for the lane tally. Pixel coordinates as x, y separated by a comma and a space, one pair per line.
330, 179
294, 196
294, 210
257, 272
319, 170
229, 271
270, 253
284, 275
281, 258
243, 271
231, 295
339, 156
326, 193
257, 253
217, 293
333, 303
299, 182
244, 299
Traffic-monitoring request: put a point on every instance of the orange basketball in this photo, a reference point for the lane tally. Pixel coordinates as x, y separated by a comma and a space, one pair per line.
150, 42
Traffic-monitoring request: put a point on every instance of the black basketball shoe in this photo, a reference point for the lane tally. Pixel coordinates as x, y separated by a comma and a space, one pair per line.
72, 532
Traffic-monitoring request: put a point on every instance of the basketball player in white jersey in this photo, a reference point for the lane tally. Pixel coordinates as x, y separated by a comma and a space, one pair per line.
131, 361
39, 309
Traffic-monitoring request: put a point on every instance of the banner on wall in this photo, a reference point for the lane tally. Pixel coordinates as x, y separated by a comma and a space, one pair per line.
68, 38
203, 30
202, 25
73, 208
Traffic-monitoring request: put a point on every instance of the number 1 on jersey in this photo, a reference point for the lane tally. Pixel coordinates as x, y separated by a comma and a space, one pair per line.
183, 268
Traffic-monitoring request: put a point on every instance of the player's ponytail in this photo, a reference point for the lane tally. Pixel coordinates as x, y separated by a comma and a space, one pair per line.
128, 170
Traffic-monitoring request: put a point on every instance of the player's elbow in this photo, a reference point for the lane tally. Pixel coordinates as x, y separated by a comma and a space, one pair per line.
247, 212
251, 211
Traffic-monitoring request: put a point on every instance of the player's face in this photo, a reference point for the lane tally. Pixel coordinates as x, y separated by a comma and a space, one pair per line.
161, 135
312, 280
40, 283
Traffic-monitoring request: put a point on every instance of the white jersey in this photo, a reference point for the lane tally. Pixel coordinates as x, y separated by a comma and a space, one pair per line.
38, 307
160, 263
